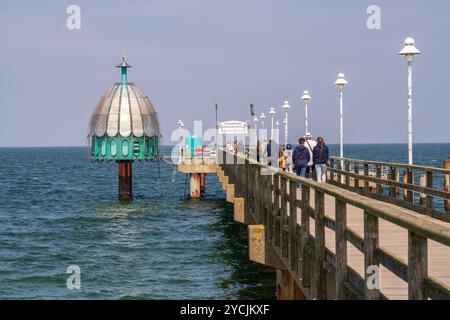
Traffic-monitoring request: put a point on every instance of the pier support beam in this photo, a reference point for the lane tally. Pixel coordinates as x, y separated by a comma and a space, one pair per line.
259, 247
125, 179
287, 288
195, 181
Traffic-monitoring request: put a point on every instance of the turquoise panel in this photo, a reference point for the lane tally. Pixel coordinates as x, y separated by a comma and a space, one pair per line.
120, 148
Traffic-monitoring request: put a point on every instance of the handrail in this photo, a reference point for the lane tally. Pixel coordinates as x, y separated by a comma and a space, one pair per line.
400, 216
395, 164
430, 196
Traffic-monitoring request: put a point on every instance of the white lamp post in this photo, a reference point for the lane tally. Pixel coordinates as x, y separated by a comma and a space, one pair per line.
180, 128
306, 97
409, 52
272, 115
255, 121
286, 108
262, 117
341, 83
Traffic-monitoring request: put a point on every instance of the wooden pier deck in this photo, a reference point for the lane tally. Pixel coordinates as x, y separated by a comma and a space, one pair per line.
392, 238
335, 241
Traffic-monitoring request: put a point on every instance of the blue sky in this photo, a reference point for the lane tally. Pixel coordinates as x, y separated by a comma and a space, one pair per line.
187, 55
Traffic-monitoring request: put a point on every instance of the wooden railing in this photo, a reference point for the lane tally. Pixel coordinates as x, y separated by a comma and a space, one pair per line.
271, 199
418, 188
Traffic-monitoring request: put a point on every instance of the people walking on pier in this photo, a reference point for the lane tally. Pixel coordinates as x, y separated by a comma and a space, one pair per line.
230, 147
258, 147
263, 152
310, 144
288, 156
301, 158
281, 159
320, 158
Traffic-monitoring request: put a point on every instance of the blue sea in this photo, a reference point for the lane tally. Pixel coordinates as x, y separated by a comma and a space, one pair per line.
59, 210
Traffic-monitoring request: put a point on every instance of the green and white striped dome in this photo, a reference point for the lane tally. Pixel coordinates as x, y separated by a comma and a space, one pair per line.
124, 124
124, 110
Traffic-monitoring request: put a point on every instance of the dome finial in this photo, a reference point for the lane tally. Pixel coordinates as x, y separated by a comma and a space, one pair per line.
123, 63
123, 67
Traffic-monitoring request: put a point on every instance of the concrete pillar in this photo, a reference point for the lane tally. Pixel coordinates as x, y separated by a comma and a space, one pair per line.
125, 179
195, 185
447, 182
202, 183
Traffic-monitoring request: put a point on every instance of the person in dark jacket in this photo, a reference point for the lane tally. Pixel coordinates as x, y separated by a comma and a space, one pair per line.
321, 157
300, 158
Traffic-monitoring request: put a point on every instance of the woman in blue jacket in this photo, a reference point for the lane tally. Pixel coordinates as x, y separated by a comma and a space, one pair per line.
300, 158
321, 157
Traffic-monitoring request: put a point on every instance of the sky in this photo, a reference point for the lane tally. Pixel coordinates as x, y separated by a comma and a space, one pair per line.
189, 55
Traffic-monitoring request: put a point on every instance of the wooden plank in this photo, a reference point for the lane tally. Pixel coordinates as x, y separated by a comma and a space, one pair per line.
341, 249
293, 226
417, 266
320, 272
406, 185
371, 265
304, 236
284, 240
276, 224
400, 165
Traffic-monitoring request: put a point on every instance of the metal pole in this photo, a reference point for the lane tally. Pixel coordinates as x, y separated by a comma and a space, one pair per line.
410, 125
286, 130
181, 142
342, 124
306, 118
271, 133
342, 132
217, 128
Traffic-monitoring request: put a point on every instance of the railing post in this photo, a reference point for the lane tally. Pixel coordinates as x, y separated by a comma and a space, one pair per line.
276, 211
293, 226
417, 266
429, 184
422, 183
371, 264
284, 234
393, 177
304, 236
447, 183
408, 179
366, 174
339, 175
341, 248
347, 170
331, 167
356, 171
378, 175
320, 271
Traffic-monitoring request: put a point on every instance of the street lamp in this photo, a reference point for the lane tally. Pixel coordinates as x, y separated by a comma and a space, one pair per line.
286, 108
255, 121
180, 128
409, 52
306, 97
341, 83
262, 117
272, 115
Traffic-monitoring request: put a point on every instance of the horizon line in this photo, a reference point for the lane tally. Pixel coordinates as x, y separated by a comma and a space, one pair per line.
172, 145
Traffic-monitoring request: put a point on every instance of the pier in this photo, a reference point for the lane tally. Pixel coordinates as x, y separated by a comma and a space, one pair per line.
375, 231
